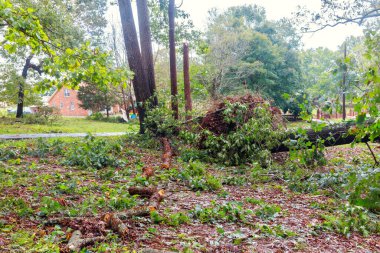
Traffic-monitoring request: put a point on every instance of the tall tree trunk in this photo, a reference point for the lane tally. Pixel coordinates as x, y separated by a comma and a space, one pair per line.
344, 83
146, 47
173, 68
186, 80
140, 84
20, 100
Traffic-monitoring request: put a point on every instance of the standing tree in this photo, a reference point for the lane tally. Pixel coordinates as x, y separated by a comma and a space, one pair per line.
173, 68
65, 61
140, 84
66, 25
146, 47
97, 98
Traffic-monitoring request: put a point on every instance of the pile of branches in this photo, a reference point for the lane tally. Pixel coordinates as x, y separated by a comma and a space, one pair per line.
215, 122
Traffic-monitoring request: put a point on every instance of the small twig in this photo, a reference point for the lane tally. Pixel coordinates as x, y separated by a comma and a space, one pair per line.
373, 155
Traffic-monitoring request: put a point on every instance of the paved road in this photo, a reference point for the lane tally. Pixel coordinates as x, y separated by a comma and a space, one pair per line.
53, 135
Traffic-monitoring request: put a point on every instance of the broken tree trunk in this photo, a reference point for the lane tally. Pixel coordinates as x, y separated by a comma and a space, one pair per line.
167, 154
148, 172
333, 135
76, 242
116, 224
144, 192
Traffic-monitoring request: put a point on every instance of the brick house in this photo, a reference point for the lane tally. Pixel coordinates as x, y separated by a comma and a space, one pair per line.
66, 100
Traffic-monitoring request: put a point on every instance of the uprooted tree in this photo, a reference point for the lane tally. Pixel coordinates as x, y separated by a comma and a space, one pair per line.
245, 129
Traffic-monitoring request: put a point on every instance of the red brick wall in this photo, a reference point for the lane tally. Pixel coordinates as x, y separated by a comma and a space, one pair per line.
58, 99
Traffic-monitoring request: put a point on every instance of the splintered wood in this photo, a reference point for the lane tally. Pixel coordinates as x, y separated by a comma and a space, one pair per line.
113, 221
167, 154
147, 172
116, 224
76, 242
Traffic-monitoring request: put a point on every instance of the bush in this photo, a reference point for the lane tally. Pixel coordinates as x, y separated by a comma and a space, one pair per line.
44, 115
98, 116
160, 122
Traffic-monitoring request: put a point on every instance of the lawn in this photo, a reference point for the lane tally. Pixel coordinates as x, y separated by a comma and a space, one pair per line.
68, 125
51, 188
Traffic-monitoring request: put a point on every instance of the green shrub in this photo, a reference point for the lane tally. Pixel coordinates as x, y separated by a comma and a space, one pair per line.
44, 115
160, 122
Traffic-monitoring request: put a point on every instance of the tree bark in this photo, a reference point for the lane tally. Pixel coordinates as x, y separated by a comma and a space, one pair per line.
146, 47
140, 84
186, 80
20, 100
340, 133
173, 68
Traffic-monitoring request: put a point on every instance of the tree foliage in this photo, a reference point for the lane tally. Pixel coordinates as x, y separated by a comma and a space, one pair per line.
97, 99
334, 13
160, 24
51, 36
245, 51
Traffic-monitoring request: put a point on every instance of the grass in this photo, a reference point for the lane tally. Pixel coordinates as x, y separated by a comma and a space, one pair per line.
68, 125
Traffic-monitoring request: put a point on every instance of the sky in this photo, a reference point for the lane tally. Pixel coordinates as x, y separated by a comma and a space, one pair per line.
275, 10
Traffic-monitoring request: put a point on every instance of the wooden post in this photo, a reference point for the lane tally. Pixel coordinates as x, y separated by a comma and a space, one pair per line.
173, 67
186, 80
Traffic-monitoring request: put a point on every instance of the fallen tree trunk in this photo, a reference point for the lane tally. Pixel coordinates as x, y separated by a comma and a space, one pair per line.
76, 242
144, 192
332, 135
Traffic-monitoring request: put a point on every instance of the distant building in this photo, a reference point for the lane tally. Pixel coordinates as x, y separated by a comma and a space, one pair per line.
66, 100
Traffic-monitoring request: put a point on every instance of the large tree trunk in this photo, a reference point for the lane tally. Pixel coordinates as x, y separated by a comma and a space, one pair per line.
140, 85
146, 47
340, 135
20, 100
186, 81
173, 68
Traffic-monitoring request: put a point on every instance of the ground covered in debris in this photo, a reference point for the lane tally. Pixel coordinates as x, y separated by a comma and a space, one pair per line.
51, 190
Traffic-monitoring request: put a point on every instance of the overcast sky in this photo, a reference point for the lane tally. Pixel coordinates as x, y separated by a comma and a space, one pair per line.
275, 9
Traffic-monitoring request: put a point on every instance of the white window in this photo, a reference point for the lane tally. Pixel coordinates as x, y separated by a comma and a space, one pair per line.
72, 106
67, 93
61, 105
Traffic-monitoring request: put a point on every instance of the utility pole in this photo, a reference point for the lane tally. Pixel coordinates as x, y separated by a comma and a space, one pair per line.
344, 82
